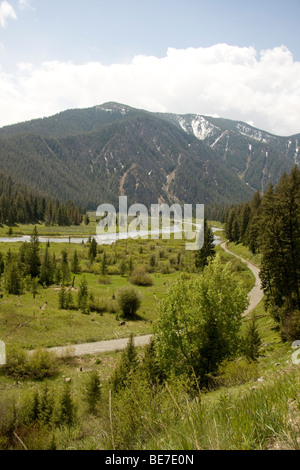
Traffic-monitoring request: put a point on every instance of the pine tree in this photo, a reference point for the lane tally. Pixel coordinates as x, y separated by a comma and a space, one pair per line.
34, 411
32, 258
93, 250
12, 277
288, 194
65, 270
46, 406
244, 219
69, 303
75, 263
127, 365
150, 367
58, 275
123, 267
93, 391
208, 250
1, 264
46, 275
230, 217
53, 265
130, 266
252, 232
83, 296
103, 264
67, 409
279, 243
256, 201
62, 298
34, 287
252, 341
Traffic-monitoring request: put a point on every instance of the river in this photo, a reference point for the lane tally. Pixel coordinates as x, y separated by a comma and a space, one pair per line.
106, 239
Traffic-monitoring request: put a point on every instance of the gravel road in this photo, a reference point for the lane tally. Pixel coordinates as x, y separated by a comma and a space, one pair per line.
98, 347
256, 294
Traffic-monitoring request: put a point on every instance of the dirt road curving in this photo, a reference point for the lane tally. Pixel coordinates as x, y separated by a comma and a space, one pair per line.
256, 294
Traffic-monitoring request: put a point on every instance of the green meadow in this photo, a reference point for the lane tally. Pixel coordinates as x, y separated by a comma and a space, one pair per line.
24, 323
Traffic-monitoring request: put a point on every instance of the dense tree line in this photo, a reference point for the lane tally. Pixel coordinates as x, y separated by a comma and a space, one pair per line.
28, 266
270, 225
217, 212
20, 205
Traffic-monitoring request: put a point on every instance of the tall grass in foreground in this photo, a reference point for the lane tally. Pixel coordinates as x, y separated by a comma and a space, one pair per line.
251, 416
266, 417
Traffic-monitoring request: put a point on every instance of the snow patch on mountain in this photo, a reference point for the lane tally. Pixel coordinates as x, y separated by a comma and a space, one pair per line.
254, 134
182, 123
197, 125
296, 151
113, 108
202, 128
225, 133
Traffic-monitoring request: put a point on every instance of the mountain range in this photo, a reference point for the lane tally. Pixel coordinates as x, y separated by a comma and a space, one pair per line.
93, 155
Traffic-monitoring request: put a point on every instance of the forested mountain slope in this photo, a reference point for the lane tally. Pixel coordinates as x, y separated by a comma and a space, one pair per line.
94, 155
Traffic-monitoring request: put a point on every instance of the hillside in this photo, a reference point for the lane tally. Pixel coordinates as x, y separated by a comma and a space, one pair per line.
94, 155
256, 156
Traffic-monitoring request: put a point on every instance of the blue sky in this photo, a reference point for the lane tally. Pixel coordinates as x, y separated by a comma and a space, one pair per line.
231, 58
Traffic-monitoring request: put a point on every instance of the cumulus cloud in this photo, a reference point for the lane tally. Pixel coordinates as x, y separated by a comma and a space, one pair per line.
6, 11
229, 81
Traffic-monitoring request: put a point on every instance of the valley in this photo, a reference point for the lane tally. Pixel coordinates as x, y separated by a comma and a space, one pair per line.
130, 344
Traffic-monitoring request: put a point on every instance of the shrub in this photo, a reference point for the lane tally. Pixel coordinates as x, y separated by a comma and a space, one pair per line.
41, 363
140, 278
38, 364
104, 280
164, 268
129, 301
113, 270
16, 362
152, 260
238, 265
238, 372
99, 306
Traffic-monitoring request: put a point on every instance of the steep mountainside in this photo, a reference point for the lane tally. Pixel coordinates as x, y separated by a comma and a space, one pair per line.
257, 157
94, 155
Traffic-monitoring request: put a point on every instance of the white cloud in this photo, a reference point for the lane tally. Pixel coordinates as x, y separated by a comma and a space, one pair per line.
24, 4
6, 11
228, 81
